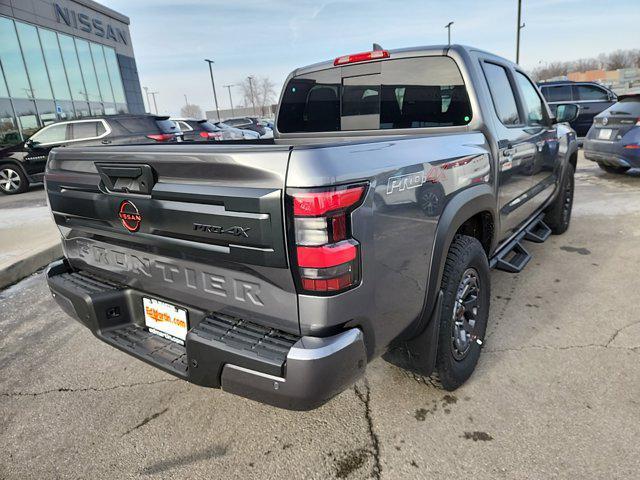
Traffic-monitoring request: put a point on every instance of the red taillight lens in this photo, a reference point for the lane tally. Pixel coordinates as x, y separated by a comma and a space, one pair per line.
211, 135
327, 257
633, 146
162, 137
361, 57
313, 204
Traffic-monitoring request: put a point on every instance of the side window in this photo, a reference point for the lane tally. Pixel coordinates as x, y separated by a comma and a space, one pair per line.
87, 130
591, 92
558, 93
184, 126
533, 104
502, 94
56, 133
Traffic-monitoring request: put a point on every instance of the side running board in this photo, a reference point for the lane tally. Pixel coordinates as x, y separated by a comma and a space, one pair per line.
513, 257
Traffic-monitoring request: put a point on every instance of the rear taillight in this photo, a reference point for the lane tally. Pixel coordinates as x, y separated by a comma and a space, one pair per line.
632, 146
361, 57
211, 135
325, 255
162, 137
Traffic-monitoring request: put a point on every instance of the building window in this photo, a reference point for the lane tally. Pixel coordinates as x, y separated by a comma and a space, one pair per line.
27, 117
103, 75
114, 75
72, 67
12, 64
9, 133
88, 71
55, 66
32, 53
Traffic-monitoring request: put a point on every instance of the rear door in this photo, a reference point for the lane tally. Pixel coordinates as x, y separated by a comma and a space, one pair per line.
592, 100
546, 165
516, 146
194, 225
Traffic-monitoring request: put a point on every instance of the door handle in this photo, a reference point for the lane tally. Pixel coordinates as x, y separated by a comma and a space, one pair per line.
508, 152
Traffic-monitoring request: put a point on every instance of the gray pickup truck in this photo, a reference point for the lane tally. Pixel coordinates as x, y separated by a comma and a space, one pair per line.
277, 269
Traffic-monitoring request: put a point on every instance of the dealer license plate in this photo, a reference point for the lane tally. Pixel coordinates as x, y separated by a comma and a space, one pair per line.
165, 320
604, 133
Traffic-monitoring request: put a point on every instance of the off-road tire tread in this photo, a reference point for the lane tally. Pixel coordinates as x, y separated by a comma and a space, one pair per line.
553, 213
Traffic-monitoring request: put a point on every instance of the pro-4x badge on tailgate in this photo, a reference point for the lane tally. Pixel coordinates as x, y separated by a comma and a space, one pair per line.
129, 216
236, 231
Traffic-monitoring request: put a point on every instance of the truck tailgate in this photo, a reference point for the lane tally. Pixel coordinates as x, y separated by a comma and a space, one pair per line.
201, 225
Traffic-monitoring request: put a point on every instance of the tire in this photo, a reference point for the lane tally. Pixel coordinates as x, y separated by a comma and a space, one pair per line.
558, 214
12, 179
455, 361
613, 169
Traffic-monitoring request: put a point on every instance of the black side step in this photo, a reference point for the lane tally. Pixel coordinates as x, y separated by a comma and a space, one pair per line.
537, 231
514, 259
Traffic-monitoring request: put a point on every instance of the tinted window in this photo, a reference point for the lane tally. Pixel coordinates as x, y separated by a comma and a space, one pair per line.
53, 134
11, 59
591, 92
628, 106
167, 126
54, 64
407, 93
86, 130
209, 127
185, 127
502, 94
532, 101
138, 124
558, 93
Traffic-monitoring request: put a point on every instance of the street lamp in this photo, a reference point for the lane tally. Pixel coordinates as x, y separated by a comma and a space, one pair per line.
146, 91
448, 27
520, 27
228, 87
153, 94
250, 78
213, 85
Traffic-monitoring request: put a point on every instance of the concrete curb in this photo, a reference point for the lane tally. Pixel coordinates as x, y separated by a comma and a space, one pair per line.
32, 262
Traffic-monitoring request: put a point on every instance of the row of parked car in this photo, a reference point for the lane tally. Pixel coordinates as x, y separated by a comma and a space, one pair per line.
24, 163
608, 124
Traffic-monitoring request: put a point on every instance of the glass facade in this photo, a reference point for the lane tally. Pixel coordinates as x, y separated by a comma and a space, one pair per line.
47, 76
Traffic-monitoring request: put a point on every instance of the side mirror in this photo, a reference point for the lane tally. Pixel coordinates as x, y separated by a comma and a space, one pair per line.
566, 112
29, 143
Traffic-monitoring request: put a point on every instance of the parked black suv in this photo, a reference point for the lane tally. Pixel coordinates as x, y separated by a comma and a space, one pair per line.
592, 98
24, 163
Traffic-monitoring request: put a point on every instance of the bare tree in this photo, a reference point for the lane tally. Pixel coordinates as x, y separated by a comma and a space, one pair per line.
191, 111
258, 92
606, 61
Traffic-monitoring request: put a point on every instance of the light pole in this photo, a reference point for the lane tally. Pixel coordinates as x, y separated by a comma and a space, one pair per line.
186, 102
250, 78
146, 91
448, 27
153, 94
520, 27
228, 87
213, 85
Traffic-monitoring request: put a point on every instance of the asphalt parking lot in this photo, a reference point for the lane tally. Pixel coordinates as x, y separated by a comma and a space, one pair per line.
556, 393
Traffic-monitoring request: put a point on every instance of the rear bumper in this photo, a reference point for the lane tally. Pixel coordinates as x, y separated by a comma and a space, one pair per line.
611, 154
244, 358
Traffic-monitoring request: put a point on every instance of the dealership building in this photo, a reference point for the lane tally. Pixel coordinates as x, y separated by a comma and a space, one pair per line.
63, 59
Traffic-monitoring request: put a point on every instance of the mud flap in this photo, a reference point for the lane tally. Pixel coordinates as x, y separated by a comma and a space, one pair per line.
422, 349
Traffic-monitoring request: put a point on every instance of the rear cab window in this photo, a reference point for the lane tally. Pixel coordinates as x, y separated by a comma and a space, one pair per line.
405, 93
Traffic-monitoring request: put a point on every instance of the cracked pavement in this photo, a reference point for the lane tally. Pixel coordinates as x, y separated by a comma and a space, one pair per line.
556, 393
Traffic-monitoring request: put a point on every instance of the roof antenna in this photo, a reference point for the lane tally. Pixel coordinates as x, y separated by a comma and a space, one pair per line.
377, 47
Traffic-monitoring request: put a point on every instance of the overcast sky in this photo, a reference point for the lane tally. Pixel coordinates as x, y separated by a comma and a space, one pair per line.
272, 37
